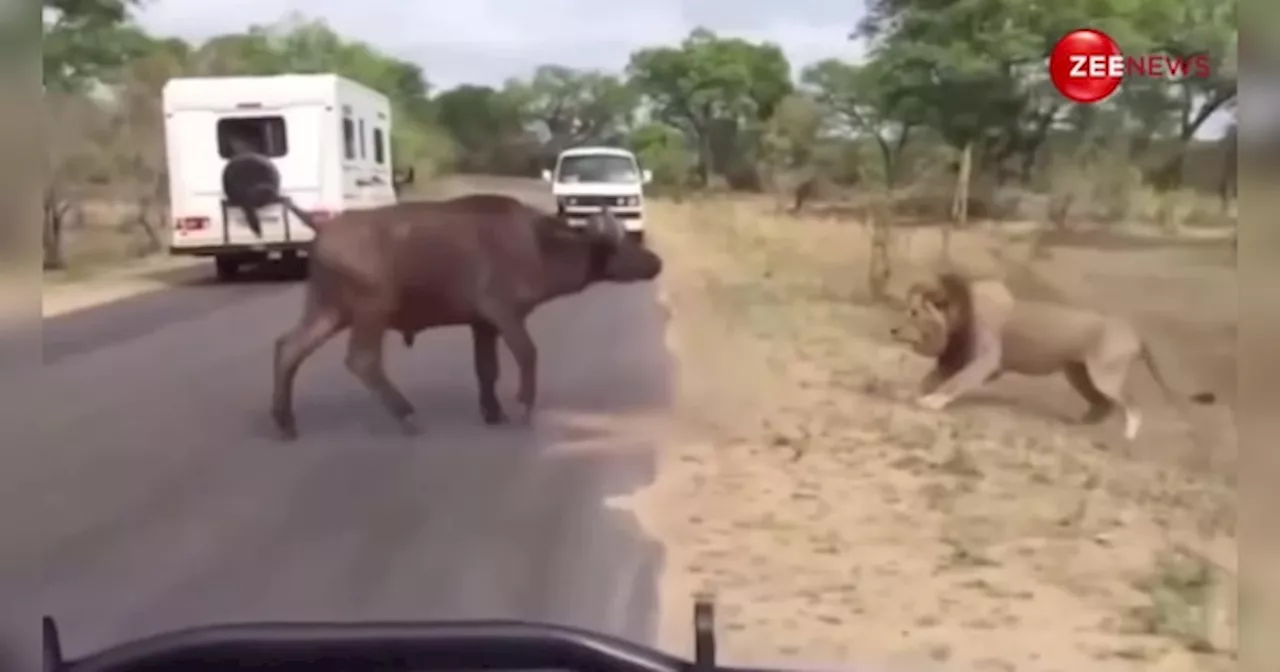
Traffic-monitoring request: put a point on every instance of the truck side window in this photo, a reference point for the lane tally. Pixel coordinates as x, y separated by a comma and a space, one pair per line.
261, 135
379, 152
348, 138
362, 145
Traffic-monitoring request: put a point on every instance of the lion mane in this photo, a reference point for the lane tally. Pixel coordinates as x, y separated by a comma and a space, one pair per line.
975, 330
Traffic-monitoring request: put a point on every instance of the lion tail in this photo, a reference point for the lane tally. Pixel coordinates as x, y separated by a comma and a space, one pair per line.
1202, 397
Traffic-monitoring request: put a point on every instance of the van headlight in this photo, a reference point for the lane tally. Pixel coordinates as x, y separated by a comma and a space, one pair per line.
626, 201
568, 201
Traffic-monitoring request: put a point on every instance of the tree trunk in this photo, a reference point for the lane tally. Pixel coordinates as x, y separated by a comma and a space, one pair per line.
54, 212
1228, 189
704, 158
880, 266
960, 203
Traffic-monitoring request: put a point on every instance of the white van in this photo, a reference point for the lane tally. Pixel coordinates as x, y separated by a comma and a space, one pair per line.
588, 179
329, 138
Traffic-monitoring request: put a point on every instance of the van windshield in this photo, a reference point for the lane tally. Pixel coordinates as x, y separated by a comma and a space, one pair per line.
598, 168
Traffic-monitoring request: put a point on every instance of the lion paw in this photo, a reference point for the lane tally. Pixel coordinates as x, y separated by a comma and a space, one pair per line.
933, 402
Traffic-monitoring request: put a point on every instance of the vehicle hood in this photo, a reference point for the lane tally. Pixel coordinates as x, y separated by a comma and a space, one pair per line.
595, 189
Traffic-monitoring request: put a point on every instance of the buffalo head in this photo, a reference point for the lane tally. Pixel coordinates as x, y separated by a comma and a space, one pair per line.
619, 257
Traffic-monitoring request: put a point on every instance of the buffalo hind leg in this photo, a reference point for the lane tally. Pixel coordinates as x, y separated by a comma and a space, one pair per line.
484, 342
364, 360
317, 327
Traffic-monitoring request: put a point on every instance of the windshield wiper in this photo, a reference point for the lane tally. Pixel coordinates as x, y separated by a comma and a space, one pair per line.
378, 647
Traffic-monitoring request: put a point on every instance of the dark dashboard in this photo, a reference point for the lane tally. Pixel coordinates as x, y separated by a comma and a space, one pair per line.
387, 647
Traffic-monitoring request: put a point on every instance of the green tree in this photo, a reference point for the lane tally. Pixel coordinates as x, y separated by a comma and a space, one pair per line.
575, 107
85, 39
1191, 27
713, 89
867, 102
484, 124
664, 150
978, 67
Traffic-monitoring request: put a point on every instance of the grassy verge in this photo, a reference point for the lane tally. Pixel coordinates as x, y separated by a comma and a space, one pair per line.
839, 525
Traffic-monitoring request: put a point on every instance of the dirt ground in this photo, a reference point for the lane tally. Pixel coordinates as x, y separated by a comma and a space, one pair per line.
837, 524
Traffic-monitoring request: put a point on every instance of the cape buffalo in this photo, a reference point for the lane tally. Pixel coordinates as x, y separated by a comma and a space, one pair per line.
485, 261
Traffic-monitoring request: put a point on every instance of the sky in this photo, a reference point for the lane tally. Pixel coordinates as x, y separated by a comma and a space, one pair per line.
488, 41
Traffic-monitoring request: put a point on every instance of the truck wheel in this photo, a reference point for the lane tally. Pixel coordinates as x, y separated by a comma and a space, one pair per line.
227, 267
295, 265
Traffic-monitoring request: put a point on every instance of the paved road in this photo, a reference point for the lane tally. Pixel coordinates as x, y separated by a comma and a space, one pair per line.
152, 494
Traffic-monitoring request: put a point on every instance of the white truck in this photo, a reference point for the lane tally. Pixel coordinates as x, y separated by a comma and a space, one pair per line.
588, 179
328, 137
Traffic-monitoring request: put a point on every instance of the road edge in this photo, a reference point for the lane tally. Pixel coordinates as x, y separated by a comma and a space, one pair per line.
63, 297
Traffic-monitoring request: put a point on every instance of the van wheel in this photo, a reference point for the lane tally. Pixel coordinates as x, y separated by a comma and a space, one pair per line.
227, 267
636, 237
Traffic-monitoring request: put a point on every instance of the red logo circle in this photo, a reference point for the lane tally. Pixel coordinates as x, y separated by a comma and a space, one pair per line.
1086, 65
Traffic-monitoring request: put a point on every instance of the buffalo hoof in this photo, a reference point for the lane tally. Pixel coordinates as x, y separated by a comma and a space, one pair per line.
287, 426
409, 425
526, 415
493, 416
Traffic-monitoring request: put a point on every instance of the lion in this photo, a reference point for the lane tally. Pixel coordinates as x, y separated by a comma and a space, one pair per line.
975, 331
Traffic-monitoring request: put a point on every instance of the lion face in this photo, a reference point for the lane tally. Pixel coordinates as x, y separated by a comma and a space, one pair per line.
923, 325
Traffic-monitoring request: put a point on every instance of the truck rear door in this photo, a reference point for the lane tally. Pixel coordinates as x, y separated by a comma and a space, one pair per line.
291, 137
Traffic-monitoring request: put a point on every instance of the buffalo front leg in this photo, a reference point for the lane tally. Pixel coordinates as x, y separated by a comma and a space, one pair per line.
484, 342
516, 335
364, 360
291, 350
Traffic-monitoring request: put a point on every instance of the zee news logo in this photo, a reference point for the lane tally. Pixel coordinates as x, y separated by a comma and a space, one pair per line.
1087, 66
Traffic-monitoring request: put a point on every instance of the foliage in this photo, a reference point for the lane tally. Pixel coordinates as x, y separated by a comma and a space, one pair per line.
482, 122
86, 39
662, 149
713, 89
946, 87
571, 107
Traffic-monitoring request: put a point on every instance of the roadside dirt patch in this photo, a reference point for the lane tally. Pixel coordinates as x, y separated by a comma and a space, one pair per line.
839, 525
69, 291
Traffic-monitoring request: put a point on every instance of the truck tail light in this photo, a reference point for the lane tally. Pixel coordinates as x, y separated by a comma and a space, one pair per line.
321, 215
191, 223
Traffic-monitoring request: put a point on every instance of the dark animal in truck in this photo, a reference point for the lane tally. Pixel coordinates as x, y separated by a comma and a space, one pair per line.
485, 261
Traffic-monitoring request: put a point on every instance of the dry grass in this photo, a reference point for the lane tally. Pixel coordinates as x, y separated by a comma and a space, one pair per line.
838, 524
102, 234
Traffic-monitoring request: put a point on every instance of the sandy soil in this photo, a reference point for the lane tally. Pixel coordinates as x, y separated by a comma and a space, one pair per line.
838, 524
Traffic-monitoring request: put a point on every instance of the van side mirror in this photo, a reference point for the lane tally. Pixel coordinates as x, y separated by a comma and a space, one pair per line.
646, 176
403, 177
546, 176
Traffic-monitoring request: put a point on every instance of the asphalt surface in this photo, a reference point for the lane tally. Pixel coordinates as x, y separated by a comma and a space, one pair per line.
143, 488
